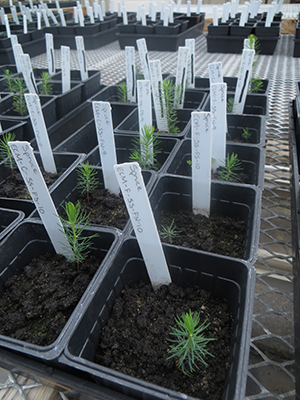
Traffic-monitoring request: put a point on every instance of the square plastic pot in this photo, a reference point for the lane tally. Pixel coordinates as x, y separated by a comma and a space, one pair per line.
48, 104
64, 162
145, 29
18, 128
220, 29
130, 124
173, 193
110, 94
244, 31
67, 191
227, 278
129, 28
255, 104
260, 30
10, 219
252, 162
30, 240
171, 29
255, 124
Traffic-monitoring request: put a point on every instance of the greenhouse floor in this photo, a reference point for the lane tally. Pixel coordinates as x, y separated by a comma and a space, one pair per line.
271, 363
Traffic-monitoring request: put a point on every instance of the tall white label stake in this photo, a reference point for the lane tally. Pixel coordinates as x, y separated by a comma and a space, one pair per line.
198, 7
144, 110
75, 10
7, 27
130, 73
124, 13
215, 72
218, 102
181, 75
65, 68
53, 17
188, 12
106, 142
39, 22
190, 44
31, 174
80, 16
47, 23
233, 8
50, 53
201, 161
81, 57
243, 80
25, 24
13, 40
14, 15
143, 52
158, 95
17, 51
62, 17
215, 16
28, 73
40, 131
136, 199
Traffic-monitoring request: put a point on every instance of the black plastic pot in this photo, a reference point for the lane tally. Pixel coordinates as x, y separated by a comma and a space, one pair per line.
9, 220
48, 104
220, 29
110, 94
173, 192
236, 123
260, 30
129, 28
244, 31
130, 124
13, 127
252, 162
224, 277
67, 191
184, 23
171, 29
30, 240
256, 104
87, 29
145, 29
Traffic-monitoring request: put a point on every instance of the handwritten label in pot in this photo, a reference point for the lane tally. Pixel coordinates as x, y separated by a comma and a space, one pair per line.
218, 103
158, 95
137, 202
201, 124
181, 74
143, 52
190, 82
17, 51
106, 142
130, 73
7, 27
50, 53
31, 174
144, 110
215, 72
40, 131
243, 80
81, 57
62, 17
65, 68
28, 73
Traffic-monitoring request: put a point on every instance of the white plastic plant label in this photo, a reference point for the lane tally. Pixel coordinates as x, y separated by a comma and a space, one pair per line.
81, 57
143, 53
130, 73
40, 131
33, 178
215, 72
119, 9
153, 13
7, 27
111, 6
201, 142
28, 73
65, 68
31, 4
91, 14
52, 16
80, 17
279, 5
224, 13
124, 13
2, 19
199, 4
106, 142
233, 8
181, 75
17, 51
190, 82
39, 20
25, 24
270, 16
178, 5
244, 16
166, 17
62, 17
75, 12
14, 15
215, 16
158, 95
188, 5
243, 80
99, 11
143, 16
50, 53
218, 103
13, 40
57, 4
103, 8
45, 17
139, 209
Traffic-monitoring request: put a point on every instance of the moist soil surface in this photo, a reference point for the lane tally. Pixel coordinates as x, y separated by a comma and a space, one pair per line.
38, 301
216, 234
135, 339
15, 188
105, 208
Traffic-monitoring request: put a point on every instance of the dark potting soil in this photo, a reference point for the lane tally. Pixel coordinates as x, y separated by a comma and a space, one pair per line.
217, 234
38, 301
105, 208
15, 188
135, 339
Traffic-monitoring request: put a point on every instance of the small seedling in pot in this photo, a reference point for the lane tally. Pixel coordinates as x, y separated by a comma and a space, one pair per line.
146, 149
5, 153
8, 81
19, 103
246, 135
230, 105
46, 87
122, 92
74, 226
229, 170
169, 232
169, 91
256, 85
87, 180
189, 345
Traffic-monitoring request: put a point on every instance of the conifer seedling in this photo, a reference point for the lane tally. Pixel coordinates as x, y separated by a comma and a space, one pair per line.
87, 180
46, 87
5, 153
229, 170
146, 149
